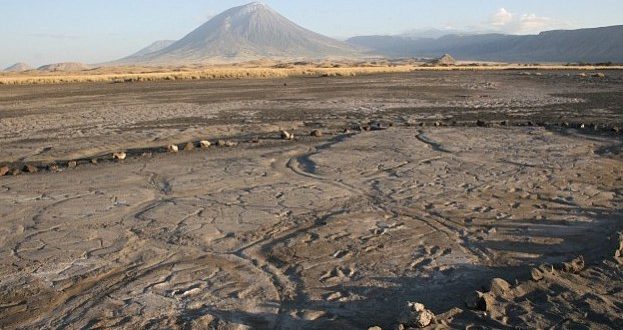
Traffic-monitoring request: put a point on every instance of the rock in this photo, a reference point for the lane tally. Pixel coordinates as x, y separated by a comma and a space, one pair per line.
598, 75
173, 148
536, 274
504, 123
618, 254
4, 170
94, 161
582, 125
582, 75
189, 146
499, 287
445, 60
479, 301
30, 169
316, 133
616, 130
53, 167
16, 172
574, 266
224, 143
119, 156
205, 144
72, 164
416, 316
285, 135
481, 123
437, 124
375, 328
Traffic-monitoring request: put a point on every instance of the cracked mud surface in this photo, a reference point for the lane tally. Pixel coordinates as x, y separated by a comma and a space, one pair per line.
341, 230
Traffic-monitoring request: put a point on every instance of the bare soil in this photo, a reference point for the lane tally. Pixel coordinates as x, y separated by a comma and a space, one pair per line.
423, 187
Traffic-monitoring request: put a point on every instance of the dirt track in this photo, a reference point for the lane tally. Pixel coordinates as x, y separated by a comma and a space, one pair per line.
340, 230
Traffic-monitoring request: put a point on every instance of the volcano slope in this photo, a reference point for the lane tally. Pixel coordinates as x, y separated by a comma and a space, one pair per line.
405, 197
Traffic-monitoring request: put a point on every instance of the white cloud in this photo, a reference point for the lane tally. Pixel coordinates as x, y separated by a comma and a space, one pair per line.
508, 22
501, 18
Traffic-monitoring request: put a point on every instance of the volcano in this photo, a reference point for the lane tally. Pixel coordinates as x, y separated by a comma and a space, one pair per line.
249, 32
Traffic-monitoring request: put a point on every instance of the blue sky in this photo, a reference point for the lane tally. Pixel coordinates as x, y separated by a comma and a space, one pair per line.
44, 31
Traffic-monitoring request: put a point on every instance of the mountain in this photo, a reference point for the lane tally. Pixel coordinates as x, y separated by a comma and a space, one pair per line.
67, 66
18, 67
583, 45
154, 47
248, 32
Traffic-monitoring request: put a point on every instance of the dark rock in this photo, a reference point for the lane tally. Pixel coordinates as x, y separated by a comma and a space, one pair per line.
481, 123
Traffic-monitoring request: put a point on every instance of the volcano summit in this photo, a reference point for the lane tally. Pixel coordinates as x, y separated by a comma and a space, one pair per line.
248, 32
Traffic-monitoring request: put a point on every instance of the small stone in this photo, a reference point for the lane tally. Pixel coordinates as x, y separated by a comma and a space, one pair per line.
574, 266
437, 124
285, 135
72, 164
4, 170
504, 123
316, 133
30, 169
598, 75
499, 287
582, 75
416, 315
618, 254
375, 328
481, 123
189, 146
479, 301
16, 172
173, 148
224, 143
616, 130
205, 144
118, 156
53, 167
536, 274
582, 125
94, 161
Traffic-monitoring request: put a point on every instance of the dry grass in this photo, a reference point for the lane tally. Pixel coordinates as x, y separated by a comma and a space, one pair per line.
281, 70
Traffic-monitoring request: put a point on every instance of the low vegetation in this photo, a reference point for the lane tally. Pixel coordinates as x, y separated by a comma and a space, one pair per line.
257, 70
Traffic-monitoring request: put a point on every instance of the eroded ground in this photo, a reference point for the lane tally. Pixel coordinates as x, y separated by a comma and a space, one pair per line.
336, 231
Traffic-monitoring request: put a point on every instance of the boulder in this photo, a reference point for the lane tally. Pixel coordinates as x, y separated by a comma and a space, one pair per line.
225, 143
285, 135
445, 60
119, 156
53, 167
574, 266
316, 133
416, 316
479, 301
30, 169
618, 254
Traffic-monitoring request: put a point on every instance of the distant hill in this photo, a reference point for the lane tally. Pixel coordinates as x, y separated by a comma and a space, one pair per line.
18, 67
154, 47
584, 45
67, 66
249, 32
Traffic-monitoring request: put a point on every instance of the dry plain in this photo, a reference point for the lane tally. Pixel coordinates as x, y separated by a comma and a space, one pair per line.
423, 187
